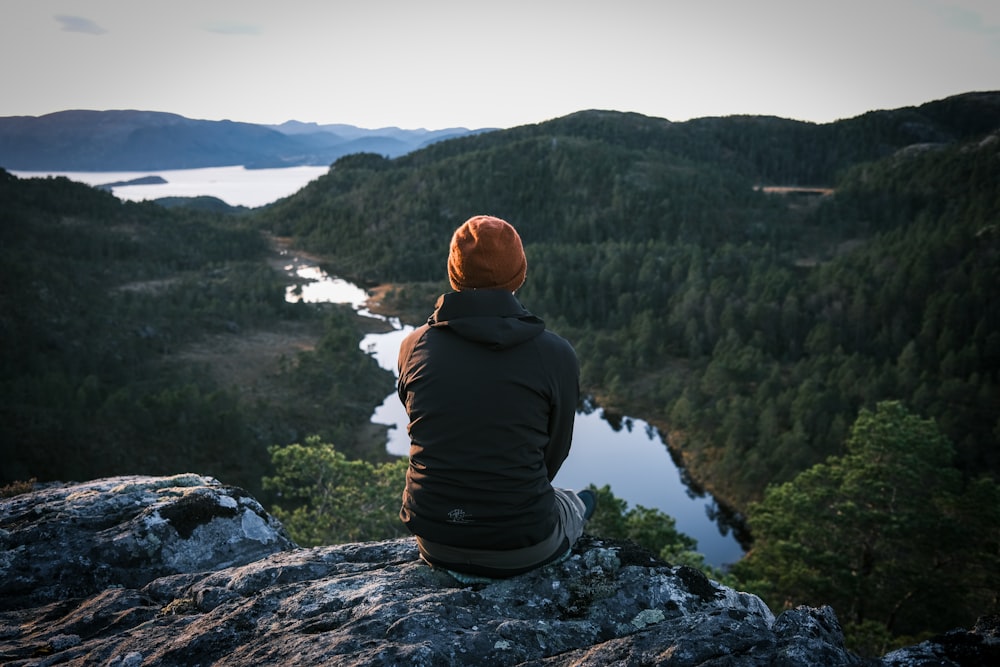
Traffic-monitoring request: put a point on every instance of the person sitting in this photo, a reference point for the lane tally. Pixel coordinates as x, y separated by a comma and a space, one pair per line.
491, 396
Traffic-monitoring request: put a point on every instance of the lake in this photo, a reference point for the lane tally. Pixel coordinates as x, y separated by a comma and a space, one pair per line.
630, 456
237, 186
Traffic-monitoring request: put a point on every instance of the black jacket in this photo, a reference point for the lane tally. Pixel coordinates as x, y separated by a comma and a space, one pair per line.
491, 396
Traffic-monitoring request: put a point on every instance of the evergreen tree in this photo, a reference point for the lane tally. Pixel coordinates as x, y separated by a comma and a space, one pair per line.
886, 533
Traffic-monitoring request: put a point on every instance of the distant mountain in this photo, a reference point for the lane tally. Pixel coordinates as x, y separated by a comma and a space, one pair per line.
412, 138
766, 148
140, 140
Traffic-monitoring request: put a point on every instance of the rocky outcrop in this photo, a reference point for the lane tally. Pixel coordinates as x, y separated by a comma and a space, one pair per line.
187, 571
71, 541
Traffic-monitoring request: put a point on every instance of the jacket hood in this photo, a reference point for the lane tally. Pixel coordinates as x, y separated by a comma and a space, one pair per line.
491, 317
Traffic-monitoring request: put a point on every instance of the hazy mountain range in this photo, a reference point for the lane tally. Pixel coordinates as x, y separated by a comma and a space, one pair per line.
82, 140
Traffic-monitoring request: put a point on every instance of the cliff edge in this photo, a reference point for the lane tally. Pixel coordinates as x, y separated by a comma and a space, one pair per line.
184, 570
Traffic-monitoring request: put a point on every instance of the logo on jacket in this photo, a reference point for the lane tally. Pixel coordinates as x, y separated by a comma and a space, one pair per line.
458, 515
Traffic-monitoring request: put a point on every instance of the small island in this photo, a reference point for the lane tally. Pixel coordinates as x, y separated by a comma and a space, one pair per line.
142, 180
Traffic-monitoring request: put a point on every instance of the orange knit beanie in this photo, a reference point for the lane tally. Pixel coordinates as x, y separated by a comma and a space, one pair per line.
486, 253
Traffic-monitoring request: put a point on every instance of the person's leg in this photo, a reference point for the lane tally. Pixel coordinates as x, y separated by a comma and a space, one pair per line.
572, 514
570, 511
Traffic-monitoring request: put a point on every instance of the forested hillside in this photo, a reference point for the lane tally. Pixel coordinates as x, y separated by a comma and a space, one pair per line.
109, 312
751, 325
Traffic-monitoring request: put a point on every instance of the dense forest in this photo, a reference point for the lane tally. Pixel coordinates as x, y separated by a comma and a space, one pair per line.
807, 311
102, 303
751, 325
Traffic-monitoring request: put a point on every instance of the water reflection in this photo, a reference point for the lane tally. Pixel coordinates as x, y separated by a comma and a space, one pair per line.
630, 455
313, 285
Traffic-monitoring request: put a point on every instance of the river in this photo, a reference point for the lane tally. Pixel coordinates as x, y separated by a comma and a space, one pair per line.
629, 455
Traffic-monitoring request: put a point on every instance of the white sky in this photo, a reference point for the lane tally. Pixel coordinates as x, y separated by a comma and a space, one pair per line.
502, 63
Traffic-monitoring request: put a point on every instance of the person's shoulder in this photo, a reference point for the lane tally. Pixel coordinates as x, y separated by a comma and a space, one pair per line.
417, 332
555, 342
411, 339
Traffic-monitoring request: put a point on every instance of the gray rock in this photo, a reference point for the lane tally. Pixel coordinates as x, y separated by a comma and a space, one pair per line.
958, 648
185, 571
72, 540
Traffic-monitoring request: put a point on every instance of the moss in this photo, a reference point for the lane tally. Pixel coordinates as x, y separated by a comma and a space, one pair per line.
17, 488
193, 510
697, 583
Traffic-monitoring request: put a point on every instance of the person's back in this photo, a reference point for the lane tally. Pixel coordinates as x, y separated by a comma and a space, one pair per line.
491, 396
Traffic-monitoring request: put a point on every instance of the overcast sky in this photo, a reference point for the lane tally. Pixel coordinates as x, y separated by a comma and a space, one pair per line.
455, 63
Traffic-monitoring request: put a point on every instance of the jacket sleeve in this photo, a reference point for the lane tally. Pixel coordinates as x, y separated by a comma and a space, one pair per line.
403, 361
563, 402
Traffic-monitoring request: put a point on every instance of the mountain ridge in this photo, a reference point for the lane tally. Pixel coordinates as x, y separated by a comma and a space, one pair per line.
134, 140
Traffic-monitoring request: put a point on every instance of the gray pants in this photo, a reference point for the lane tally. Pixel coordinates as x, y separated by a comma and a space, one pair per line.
494, 563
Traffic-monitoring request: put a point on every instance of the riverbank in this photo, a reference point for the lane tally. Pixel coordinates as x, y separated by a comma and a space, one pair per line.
727, 511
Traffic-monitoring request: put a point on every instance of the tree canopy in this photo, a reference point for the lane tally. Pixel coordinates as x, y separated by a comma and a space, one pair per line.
888, 533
